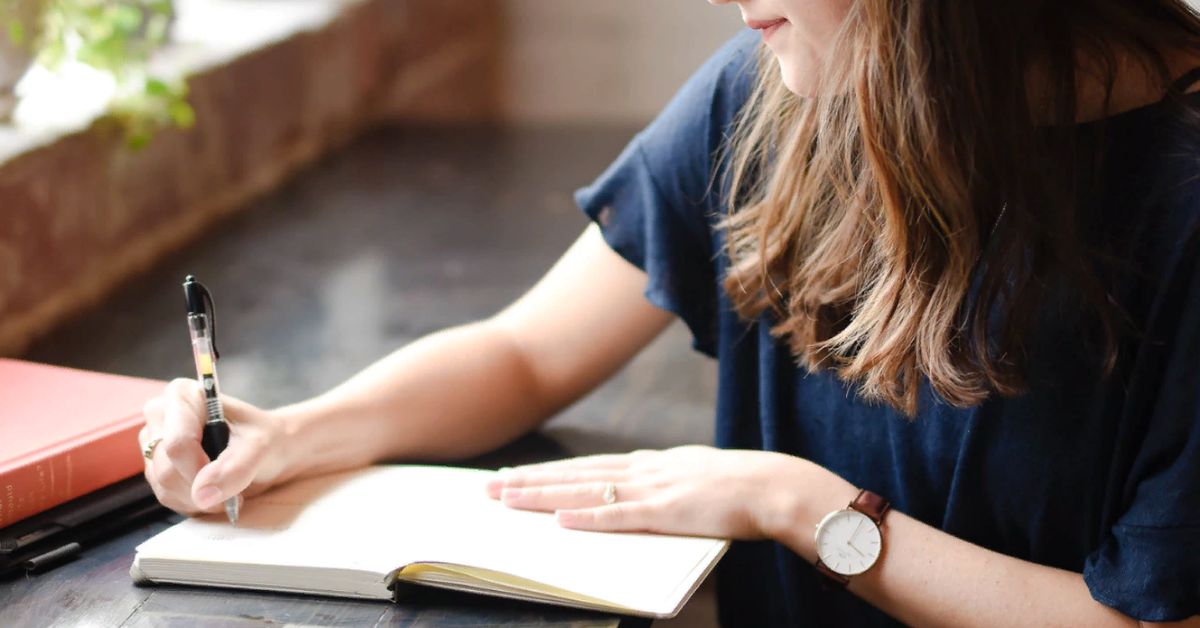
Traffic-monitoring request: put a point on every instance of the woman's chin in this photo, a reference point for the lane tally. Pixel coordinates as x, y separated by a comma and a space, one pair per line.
802, 77
800, 81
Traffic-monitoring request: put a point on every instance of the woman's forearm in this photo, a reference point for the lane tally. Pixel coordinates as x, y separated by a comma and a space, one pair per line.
927, 577
470, 389
453, 394
933, 578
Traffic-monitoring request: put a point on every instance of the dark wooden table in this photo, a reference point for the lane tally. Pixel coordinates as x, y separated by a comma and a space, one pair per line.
403, 233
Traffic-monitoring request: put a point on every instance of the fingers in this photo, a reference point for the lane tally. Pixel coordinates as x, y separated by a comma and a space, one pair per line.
183, 410
598, 461
584, 506
568, 496
152, 412
569, 485
229, 474
541, 477
176, 418
167, 493
170, 419
182, 455
569, 470
170, 485
619, 517
175, 464
577, 491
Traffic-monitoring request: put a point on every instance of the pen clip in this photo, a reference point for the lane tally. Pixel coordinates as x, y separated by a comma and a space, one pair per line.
200, 301
211, 309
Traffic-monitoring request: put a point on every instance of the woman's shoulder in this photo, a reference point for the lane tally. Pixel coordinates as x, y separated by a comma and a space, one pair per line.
675, 154
1151, 177
734, 69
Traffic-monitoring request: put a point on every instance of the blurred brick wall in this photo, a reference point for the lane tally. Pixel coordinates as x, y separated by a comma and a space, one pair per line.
83, 213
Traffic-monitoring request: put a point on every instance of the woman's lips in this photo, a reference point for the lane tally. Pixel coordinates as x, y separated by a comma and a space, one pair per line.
767, 27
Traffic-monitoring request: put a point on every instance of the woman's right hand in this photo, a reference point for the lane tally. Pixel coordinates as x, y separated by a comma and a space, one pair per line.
179, 471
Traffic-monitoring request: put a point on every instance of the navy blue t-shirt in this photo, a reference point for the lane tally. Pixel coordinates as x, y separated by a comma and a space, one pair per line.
1093, 475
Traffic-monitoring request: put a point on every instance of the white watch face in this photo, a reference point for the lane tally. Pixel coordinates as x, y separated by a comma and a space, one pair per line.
848, 542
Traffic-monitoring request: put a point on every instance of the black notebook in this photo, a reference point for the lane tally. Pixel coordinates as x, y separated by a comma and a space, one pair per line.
58, 534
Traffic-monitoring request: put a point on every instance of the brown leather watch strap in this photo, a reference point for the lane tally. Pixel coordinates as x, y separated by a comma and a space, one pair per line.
832, 578
871, 505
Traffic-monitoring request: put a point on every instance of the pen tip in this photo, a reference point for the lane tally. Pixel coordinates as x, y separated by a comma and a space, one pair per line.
232, 505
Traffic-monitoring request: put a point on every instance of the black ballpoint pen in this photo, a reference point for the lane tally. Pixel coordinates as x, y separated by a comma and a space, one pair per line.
202, 327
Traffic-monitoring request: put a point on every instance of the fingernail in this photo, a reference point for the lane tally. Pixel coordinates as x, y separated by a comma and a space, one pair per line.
563, 517
207, 497
509, 494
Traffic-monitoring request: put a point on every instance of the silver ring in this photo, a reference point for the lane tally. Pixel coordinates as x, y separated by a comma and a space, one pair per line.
610, 493
148, 448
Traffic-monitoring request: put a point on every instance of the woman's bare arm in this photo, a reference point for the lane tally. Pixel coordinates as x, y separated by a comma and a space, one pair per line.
469, 389
453, 394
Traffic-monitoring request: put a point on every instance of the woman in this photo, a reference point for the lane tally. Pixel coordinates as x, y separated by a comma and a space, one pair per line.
946, 254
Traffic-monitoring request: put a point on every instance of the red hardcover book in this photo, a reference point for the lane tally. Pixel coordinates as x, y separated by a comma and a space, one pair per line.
65, 433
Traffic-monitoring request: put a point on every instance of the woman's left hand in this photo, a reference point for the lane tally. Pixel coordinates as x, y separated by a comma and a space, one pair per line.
692, 490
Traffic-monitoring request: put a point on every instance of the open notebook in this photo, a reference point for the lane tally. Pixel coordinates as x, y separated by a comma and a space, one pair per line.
356, 533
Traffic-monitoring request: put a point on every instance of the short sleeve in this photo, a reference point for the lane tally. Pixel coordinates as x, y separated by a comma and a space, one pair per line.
1148, 566
657, 203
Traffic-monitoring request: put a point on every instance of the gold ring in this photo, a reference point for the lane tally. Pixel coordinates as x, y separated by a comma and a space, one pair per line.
148, 448
610, 493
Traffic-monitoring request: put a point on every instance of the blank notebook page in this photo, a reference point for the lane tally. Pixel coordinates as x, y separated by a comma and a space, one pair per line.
382, 518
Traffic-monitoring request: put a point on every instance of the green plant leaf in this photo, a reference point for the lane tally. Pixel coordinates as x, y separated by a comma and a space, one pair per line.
157, 87
137, 139
117, 37
16, 32
126, 19
183, 115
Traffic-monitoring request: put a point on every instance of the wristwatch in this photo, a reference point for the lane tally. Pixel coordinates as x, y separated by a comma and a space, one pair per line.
850, 541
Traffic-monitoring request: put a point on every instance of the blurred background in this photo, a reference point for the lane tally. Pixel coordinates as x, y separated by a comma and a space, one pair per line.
613, 61
344, 175
132, 128
139, 131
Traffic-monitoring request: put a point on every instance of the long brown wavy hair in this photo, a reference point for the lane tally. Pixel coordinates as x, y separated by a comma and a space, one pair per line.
909, 222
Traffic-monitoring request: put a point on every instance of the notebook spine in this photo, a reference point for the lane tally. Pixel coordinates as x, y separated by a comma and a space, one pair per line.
39, 484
